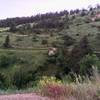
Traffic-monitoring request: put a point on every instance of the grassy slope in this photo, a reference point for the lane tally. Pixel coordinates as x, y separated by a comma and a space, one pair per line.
26, 41
33, 53
30, 59
84, 29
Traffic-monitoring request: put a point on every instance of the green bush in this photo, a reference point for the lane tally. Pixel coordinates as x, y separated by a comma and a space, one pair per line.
3, 83
7, 60
22, 77
19, 39
87, 62
44, 42
35, 38
68, 40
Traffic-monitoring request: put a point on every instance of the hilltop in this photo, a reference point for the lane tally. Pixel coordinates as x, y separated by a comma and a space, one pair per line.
52, 26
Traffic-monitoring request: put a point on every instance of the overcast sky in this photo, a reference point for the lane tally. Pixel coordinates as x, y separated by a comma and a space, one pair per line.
15, 8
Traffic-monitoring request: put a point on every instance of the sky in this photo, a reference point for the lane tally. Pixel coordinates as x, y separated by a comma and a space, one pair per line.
20, 8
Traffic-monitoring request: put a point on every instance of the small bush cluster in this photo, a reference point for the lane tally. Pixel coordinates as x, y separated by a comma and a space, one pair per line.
44, 42
57, 90
7, 60
50, 86
45, 80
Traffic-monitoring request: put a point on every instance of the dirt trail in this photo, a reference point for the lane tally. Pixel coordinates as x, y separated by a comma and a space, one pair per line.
31, 96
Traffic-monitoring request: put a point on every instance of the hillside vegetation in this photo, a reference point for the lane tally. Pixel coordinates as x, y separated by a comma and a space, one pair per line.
59, 45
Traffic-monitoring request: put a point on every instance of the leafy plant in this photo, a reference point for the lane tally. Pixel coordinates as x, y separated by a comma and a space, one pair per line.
7, 60
87, 62
3, 83
22, 77
44, 42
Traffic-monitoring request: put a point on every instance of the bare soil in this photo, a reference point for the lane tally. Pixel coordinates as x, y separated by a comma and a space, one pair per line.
31, 96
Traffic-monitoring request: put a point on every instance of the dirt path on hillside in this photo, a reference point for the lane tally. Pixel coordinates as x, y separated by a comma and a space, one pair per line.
22, 97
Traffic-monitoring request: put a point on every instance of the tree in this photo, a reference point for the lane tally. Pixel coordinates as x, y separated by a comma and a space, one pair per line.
12, 27
7, 42
67, 22
77, 11
44, 42
83, 12
77, 53
68, 40
71, 12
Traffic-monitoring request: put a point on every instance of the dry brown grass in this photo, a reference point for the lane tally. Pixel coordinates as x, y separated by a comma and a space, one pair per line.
87, 90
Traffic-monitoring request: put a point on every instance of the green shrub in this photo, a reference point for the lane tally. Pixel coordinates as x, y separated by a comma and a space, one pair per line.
3, 83
22, 77
44, 42
87, 62
19, 39
34, 38
68, 40
7, 60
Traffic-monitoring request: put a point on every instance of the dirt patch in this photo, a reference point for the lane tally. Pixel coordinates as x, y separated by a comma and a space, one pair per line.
31, 96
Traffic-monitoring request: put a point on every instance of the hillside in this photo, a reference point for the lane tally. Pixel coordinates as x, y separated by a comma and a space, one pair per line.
54, 47
31, 31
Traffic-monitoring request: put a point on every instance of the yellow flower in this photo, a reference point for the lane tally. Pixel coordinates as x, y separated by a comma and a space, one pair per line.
49, 80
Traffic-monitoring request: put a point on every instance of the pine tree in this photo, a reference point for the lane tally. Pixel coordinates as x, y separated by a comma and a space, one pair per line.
12, 27
7, 42
78, 52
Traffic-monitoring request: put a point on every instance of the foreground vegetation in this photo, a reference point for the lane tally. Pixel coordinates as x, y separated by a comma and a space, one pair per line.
89, 89
82, 88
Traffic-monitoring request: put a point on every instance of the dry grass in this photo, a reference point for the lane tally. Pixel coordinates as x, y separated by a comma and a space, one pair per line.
87, 90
